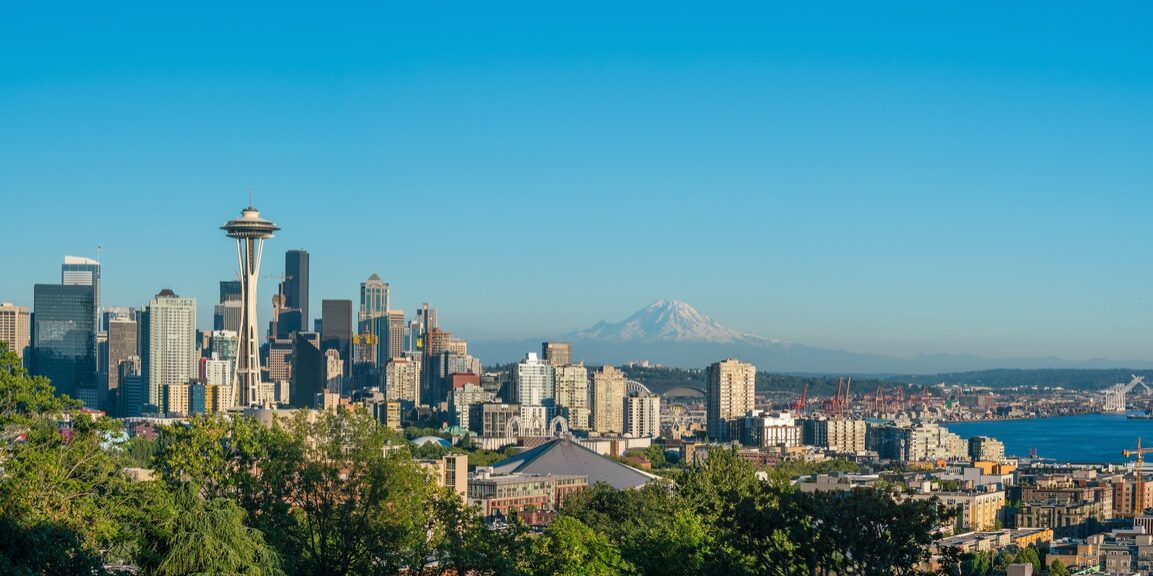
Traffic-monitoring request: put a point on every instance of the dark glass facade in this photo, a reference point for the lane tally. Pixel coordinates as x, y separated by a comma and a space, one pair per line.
336, 329
296, 285
64, 337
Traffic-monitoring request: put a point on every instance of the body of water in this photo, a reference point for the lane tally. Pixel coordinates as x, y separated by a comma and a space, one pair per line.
1089, 438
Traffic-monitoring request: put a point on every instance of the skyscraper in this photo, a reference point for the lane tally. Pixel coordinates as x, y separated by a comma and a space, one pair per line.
373, 316
15, 327
308, 369
122, 345
608, 402
296, 284
64, 339
557, 353
230, 291
336, 329
250, 232
729, 396
172, 358
77, 271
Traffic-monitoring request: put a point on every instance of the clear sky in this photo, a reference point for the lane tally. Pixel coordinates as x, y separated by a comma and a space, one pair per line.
899, 178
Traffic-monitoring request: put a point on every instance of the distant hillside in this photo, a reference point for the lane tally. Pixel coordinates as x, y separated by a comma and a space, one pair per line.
1064, 378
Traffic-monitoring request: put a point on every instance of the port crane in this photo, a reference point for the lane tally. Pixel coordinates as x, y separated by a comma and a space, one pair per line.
1139, 498
801, 405
1116, 395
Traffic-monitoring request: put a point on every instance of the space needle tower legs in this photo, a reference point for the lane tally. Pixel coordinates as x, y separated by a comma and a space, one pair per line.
250, 231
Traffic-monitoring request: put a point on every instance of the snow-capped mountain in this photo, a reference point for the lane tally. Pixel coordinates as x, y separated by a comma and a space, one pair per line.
668, 321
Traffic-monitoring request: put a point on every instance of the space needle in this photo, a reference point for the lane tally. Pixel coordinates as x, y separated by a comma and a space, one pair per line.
250, 231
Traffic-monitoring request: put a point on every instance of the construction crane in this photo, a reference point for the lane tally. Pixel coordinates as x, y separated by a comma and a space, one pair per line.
1139, 499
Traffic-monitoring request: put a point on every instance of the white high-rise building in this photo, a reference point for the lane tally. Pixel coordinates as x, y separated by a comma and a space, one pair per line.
643, 415
171, 343
535, 386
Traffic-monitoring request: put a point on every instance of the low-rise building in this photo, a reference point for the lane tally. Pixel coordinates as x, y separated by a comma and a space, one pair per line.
509, 494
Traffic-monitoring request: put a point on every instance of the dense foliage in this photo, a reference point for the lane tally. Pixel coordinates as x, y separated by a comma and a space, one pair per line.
332, 493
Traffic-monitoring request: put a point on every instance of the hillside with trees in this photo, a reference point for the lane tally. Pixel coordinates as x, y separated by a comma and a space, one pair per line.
333, 493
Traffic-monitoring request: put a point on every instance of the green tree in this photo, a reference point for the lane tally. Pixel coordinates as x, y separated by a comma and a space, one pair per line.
210, 538
653, 526
1057, 568
22, 396
569, 548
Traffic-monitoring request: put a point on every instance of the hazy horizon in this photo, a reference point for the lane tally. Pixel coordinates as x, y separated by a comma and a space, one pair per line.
902, 179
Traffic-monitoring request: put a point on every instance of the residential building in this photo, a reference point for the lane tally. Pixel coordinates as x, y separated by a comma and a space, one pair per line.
984, 448
608, 400
535, 392
841, 435
402, 380
450, 472
494, 419
172, 357
975, 510
642, 415
572, 394
15, 327
730, 395
766, 430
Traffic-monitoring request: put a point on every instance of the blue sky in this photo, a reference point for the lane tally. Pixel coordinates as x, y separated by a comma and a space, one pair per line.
907, 178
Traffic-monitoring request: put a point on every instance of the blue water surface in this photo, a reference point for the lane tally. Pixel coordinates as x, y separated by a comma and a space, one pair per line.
1089, 438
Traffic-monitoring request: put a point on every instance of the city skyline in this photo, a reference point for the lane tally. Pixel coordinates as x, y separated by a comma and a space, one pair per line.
887, 180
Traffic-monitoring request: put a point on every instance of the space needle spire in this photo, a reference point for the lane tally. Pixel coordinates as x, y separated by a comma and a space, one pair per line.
250, 231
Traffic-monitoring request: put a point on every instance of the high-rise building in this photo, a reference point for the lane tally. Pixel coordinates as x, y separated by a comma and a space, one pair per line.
132, 394
333, 372
250, 231
642, 415
608, 400
226, 316
279, 366
296, 284
557, 353
231, 291
402, 380
572, 395
535, 384
308, 369
64, 339
77, 271
122, 345
219, 374
172, 357
15, 327
336, 326
394, 343
730, 394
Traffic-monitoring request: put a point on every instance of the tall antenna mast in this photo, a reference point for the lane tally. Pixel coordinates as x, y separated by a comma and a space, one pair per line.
99, 252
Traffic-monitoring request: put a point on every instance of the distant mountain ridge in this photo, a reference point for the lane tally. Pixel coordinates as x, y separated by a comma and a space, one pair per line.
674, 333
667, 321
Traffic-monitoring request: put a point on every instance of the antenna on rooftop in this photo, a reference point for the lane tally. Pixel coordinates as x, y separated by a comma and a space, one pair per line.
250, 197
99, 252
